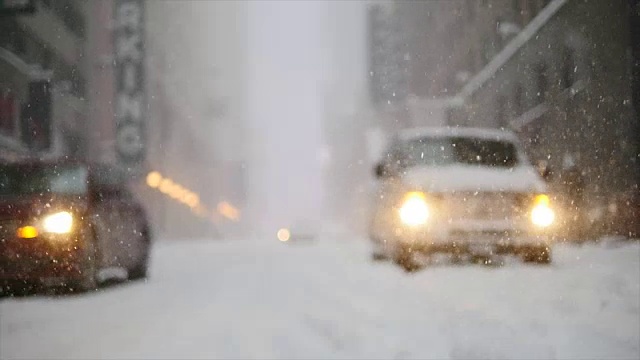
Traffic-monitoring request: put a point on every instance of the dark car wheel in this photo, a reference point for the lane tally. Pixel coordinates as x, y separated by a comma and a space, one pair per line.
140, 271
405, 259
88, 279
538, 255
378, 256
17, 288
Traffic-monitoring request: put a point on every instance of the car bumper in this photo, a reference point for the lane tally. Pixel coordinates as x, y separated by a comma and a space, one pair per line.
39, 260
472, 236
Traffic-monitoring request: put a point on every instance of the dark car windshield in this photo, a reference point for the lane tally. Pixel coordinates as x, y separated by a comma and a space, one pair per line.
19, 179
441, 151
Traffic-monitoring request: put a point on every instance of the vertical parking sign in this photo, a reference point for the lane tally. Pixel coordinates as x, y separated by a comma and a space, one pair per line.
129, 71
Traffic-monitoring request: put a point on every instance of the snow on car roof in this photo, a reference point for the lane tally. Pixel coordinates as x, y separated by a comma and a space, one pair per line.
482, 133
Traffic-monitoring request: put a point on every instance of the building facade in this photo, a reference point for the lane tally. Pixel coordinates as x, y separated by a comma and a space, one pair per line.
196, 112
564, 83
43, 80
555, 71
450, 41
421, 53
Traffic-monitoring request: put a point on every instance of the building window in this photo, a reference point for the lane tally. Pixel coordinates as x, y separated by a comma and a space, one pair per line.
7, 28
487, 50
70, 16
501, 115
8, 113
471, 61
471, 10
568, 67
33, 50
518, 94
47, 59
17, 42
517, 6
479, 59
77, 82
519, 12
537, 6
541, 81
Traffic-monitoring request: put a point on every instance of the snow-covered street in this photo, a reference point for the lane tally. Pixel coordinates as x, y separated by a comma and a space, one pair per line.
264, 299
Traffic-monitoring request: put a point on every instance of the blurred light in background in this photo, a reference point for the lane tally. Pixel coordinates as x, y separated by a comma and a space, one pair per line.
166, 185
179, 193
284, 235
229, 211
185, 196
200, 211
176, 191
193, 200
153, 179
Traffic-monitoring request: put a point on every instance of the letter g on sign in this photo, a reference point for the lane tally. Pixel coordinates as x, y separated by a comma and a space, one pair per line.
129, 141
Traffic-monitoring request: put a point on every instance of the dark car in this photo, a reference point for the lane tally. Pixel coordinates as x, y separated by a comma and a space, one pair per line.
69, 223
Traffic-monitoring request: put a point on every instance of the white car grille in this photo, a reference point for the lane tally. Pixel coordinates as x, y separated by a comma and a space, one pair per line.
490, 206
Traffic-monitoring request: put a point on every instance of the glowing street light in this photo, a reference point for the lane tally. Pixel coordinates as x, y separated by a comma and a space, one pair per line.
153, 179
284, 235
166, 185
193, 200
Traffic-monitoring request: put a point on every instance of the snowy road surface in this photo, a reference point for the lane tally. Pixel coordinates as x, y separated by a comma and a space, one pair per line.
248, 299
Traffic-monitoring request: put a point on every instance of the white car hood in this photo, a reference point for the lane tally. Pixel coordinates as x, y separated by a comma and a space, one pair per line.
474, 178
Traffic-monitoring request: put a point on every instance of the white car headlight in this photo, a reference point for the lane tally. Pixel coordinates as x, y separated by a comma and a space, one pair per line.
58, 223
414, 210
541, 214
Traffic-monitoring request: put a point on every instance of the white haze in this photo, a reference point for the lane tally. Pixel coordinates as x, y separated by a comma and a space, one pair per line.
290, 78
286, 67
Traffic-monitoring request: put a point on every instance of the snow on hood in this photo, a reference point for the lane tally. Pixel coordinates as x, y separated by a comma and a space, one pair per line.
474, 178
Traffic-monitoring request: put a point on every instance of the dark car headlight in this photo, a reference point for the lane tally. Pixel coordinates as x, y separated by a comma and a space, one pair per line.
57, 223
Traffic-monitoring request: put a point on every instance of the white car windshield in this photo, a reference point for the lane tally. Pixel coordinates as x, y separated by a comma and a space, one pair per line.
441, 151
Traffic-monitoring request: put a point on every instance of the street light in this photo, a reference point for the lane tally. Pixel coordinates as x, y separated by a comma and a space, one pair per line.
154, 179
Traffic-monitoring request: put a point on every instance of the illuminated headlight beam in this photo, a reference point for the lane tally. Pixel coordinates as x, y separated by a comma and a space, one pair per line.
415, 210
58, 223
542, 216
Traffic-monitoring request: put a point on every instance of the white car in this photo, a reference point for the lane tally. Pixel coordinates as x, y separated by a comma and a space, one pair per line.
460, 191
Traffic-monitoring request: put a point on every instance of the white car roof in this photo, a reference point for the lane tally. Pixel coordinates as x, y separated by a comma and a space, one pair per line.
482, 133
